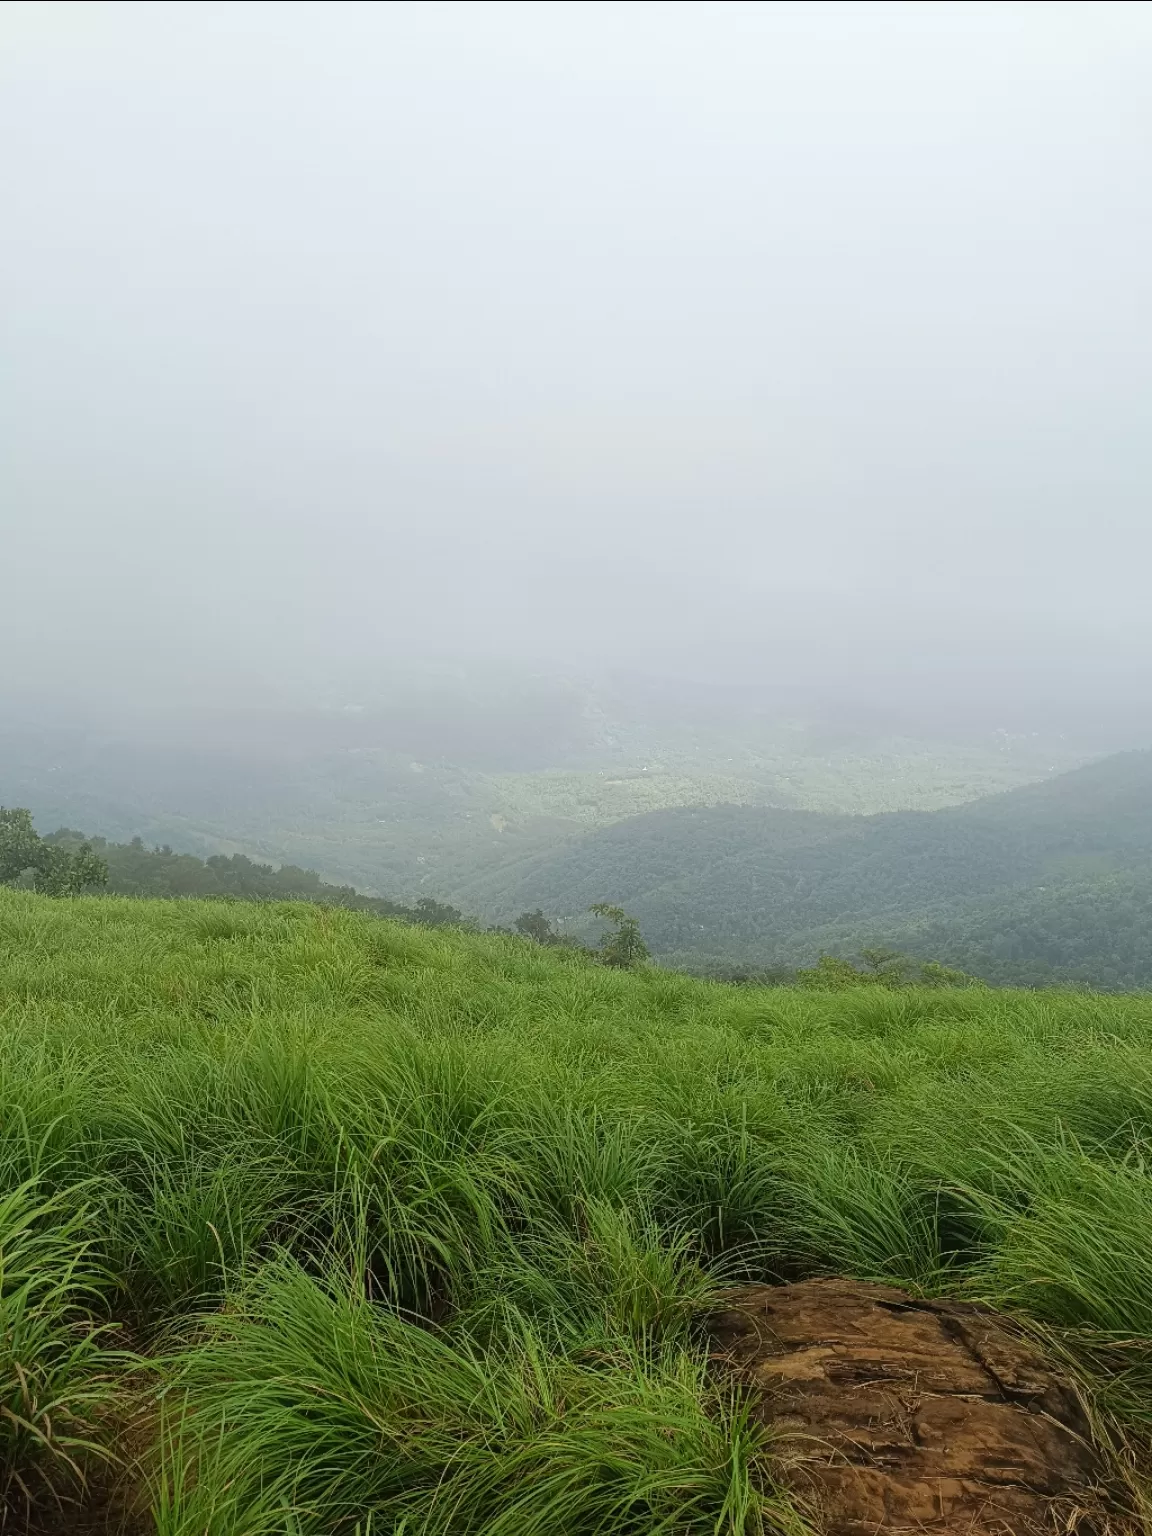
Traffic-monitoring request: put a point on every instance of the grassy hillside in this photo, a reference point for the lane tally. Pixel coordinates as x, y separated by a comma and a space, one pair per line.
1045, 882
317, 1223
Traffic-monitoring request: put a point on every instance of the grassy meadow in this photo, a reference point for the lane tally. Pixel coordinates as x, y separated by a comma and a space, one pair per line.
316, 1223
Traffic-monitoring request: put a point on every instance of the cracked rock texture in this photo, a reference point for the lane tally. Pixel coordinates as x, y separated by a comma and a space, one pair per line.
895, 1414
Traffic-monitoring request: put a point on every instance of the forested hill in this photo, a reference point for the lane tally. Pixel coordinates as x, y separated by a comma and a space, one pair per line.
1049, 882
137, 870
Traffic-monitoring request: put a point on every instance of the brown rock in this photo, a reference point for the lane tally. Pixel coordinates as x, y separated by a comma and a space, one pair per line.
896, 1414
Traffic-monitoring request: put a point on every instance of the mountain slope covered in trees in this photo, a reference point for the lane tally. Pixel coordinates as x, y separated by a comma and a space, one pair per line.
1049, 882
135, 870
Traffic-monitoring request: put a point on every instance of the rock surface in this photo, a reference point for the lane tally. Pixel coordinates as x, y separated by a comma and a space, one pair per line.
896, 1414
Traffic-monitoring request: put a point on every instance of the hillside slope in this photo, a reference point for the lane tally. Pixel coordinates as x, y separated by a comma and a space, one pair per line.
409, 1222
1070, 855
1091, 932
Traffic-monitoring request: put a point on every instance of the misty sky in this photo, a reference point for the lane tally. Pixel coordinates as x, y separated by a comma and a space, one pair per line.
810, 339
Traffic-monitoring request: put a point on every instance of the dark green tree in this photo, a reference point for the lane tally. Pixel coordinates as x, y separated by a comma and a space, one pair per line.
886, 966
56, 869
20, 844
831, 973
933, 974
624, 948
878, 968
436, 914
67, 873
534, 925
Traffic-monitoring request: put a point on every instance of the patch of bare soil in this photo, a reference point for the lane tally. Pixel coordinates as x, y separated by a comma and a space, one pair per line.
102, 1509
894, 1414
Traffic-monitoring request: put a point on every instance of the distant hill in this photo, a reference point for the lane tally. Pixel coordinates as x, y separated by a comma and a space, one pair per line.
137, 870
1096, 932
1049, 882
427, 784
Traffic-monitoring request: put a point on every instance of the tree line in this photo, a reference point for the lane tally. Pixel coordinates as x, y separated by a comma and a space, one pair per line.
66, 863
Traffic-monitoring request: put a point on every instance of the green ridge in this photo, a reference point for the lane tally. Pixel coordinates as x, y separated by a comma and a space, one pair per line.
1048, 883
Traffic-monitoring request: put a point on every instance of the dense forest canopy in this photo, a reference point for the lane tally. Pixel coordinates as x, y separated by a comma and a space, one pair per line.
1048, 883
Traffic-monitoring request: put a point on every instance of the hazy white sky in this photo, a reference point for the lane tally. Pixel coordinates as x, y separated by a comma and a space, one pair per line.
814, 334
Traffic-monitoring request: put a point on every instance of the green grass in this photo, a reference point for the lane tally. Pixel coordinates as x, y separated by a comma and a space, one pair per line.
308, 1398
55, 1371
413, 1230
